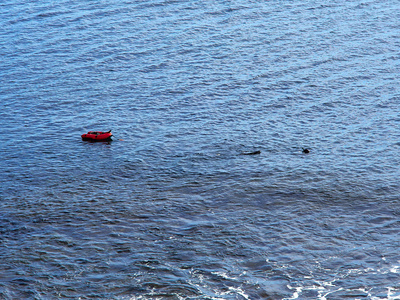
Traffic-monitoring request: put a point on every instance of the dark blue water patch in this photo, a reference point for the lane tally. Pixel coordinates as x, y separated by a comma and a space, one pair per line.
171, 208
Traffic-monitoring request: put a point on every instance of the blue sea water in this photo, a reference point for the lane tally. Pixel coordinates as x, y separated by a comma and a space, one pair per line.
170, 209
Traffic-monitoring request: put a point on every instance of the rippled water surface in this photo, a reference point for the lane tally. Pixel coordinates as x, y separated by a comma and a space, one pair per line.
170, 209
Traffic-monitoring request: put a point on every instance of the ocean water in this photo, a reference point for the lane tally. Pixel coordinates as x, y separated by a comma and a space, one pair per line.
171, 209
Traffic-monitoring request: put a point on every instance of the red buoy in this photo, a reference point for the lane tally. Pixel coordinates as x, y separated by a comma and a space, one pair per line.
97, 136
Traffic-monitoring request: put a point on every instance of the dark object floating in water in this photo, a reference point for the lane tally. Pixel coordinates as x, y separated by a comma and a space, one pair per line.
252, 153
306, 150
97, 136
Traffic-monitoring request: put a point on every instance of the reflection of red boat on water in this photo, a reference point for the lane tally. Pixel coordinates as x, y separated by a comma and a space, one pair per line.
97, 136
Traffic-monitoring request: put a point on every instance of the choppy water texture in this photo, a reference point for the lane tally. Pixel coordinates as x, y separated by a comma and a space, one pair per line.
170, 209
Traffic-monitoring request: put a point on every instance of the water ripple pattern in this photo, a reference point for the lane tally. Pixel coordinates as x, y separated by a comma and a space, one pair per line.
170, 209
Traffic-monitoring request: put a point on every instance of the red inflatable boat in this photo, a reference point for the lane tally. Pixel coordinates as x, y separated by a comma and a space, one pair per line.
97, 136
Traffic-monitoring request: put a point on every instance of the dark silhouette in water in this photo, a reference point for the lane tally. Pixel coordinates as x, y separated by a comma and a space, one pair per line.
252, 153
306, 150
